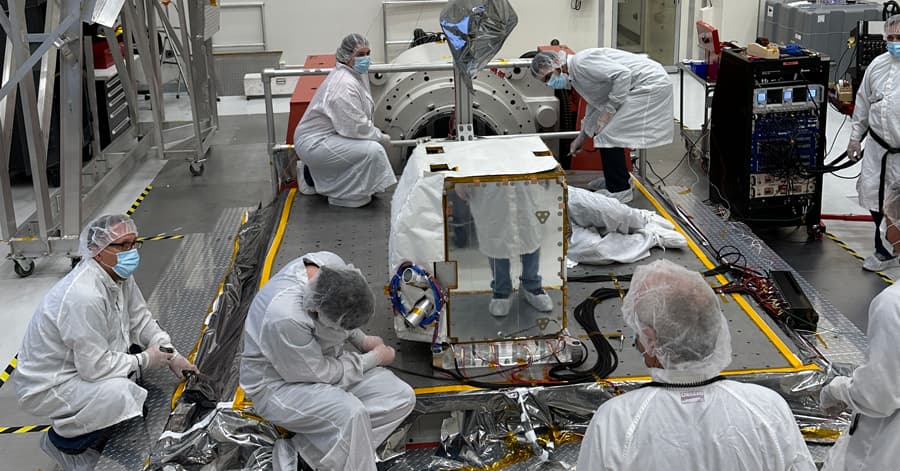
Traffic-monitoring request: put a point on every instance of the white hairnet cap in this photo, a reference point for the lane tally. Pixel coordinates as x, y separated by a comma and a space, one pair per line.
341, 295
892, 25
892, 203
544, 63
684, 314
102, 231
351, 43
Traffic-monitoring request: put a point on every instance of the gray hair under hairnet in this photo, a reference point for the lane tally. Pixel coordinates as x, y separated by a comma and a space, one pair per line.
351, 43
544, 63
101, 232
341, 296
684, 314
892, 25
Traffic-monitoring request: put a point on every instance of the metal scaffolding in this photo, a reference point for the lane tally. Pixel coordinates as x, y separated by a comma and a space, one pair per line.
54, 227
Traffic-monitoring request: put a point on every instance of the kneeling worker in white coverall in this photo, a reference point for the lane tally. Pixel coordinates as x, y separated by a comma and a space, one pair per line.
339, 404
75, 365
689, 417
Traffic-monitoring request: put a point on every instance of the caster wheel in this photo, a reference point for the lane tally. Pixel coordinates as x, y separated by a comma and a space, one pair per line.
23, 270
816, 231
196, 169
75, 261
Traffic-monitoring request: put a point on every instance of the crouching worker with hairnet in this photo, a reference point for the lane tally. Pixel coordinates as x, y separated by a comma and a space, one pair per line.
689, 417
74, 364
339, 404
342, 153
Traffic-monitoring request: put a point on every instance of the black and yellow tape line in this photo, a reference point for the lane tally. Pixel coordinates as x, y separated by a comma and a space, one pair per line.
884, 277
4, 376
24, 429
162, 237
139, 200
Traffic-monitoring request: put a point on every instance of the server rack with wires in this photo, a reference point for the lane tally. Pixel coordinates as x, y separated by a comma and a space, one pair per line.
767, 138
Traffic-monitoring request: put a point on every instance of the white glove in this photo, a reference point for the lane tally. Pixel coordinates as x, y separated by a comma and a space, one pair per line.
604, 119
384, 354
385, 141
179, 364
370, 342
577, 143
155, 356
829, 403
854, 151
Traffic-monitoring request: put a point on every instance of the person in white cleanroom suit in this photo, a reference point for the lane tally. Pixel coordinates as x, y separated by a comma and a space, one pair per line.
337, 141
689, 417
74, 364
873, 390
606, 231
629, 100
878, 110
294, 368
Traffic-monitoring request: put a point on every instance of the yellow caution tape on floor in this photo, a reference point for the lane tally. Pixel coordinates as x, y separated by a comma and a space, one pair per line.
162, 237
23, 429
139, 200
4, 376
884, 277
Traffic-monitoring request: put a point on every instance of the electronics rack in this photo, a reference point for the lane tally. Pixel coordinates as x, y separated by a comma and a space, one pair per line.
767, 132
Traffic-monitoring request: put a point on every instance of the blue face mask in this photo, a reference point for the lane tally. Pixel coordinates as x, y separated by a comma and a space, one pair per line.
893, 47
559, 82
126, 263
361, 64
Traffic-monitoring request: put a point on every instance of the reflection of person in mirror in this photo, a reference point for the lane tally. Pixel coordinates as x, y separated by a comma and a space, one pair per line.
507, 225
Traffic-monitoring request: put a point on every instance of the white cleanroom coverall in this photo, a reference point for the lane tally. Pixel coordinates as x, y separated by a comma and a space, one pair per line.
74, 364
725, 425
878, 107
296, 372
873, 392
607, 231
339, 142
637, 89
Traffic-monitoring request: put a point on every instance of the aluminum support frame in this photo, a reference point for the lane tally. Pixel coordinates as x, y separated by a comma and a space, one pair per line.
139, 34
7, 114
33, 135
193, 56
89, 84
71, 124
47, 77
55, 226
462, 112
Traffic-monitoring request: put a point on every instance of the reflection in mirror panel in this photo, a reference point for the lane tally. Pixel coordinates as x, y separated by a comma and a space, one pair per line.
506, 236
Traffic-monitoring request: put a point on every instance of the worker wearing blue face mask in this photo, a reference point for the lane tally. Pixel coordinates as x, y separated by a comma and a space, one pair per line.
75, 365
629, 100
878, 111
342, 154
